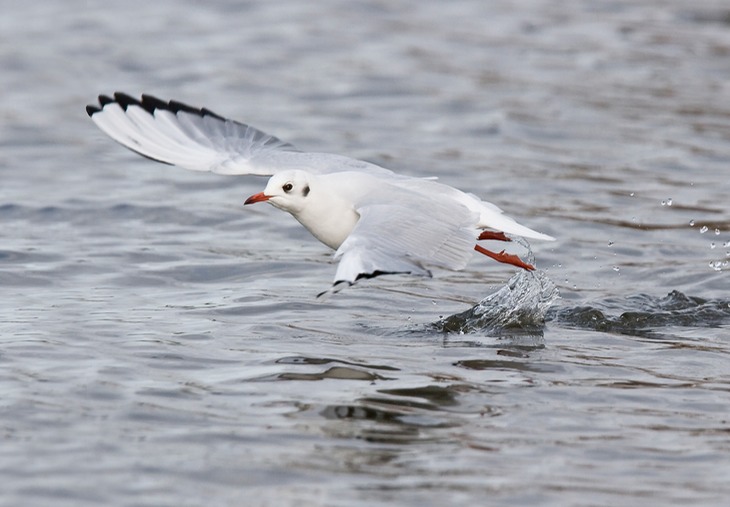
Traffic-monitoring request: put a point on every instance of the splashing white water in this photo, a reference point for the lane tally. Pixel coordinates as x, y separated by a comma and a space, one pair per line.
520, 305
517, 308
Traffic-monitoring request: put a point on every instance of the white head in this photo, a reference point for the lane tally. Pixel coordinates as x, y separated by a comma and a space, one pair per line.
287, 190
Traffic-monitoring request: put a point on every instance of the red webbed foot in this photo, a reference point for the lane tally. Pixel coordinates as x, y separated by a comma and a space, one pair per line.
505, 258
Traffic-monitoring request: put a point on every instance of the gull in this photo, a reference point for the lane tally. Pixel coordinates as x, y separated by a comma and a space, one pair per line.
378, 222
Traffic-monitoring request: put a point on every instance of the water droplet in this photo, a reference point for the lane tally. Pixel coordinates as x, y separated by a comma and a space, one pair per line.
691, 223
669, 201
704, 229
664, 203
616, 268
717, 232
726, 244
631, 194
610, 243
713, 245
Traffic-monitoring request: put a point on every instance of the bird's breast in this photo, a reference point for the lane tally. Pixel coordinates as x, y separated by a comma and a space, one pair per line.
330, 224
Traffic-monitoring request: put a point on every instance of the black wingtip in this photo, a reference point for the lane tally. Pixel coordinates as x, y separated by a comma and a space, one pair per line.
104, 100
336, 287
176, 107
150, 103
125, 100
91, 110
377, 272
208, 112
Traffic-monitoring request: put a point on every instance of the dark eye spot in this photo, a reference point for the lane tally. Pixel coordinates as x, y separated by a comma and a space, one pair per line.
305, 192
287, 187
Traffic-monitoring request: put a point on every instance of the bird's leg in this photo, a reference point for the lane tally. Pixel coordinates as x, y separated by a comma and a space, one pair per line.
499, 236
505, 257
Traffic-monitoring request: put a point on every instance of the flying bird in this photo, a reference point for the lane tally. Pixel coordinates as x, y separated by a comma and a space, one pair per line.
378, 222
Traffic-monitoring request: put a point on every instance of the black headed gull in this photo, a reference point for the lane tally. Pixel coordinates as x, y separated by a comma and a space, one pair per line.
378, 222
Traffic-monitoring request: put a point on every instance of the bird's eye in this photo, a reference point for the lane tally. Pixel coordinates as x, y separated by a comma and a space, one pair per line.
287, 187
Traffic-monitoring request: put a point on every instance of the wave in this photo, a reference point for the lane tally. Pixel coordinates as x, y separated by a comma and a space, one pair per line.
524, 305
643, 314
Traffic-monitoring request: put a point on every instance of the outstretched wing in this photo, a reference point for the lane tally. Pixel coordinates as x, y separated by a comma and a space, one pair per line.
403, 235
200, 140
177, 134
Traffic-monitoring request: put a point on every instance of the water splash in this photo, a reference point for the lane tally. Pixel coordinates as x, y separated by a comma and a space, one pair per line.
718, 265
517, 308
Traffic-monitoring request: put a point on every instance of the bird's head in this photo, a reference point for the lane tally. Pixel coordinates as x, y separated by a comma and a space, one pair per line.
287, 190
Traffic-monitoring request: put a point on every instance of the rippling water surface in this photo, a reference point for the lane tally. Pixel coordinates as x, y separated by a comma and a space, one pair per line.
162, 345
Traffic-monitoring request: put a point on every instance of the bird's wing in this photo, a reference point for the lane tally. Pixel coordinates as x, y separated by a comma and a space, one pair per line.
402, 234
200, 140
490, 215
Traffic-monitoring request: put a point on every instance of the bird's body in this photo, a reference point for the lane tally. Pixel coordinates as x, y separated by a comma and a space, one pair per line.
377, 221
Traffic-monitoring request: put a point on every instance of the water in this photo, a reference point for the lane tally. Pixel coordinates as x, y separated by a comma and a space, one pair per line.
162, 345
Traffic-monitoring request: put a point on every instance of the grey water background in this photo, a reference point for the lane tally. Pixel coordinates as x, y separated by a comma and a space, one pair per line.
162, 345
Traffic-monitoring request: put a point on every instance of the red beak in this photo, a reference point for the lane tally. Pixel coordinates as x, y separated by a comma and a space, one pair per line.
260, 197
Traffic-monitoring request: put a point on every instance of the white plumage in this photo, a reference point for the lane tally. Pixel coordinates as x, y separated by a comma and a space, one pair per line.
377, 221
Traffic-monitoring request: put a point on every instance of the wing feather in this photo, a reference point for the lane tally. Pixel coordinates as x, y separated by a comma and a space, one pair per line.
195, 139
201, 140
403, 234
